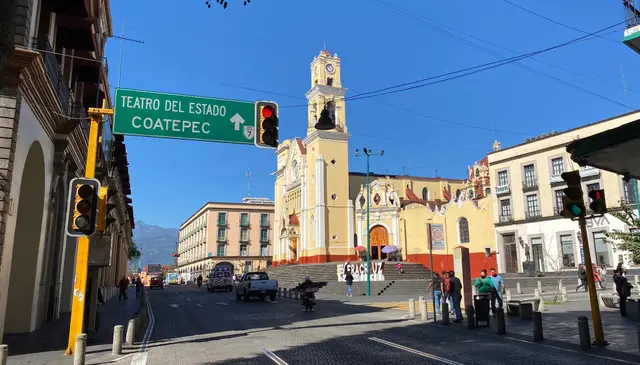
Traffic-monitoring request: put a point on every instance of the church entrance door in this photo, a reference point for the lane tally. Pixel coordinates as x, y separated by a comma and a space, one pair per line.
379, 239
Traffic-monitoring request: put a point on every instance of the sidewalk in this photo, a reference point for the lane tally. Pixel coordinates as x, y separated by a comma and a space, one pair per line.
46, 345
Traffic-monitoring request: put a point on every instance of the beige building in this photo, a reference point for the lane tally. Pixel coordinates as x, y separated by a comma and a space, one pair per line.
237, 233
527, 197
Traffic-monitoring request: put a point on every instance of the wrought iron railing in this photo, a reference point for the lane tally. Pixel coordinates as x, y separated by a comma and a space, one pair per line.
79, 112
631, 13
54, 72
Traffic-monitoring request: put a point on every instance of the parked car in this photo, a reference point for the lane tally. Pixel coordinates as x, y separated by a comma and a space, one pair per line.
256, 284
156, 283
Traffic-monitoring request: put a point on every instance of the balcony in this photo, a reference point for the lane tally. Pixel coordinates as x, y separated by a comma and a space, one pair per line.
244, 223
587, 172
505, 218
532, 214
222, 223
221, 239
632, 29
503, 190
556, 179
53, 72
264, 239
530, 184
244, 239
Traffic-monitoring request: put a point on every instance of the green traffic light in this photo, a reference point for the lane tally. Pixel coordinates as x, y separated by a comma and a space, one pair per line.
575, 210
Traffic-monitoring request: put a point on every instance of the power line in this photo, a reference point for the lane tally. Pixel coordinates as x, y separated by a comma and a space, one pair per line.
417, 18
556, 22
462, 73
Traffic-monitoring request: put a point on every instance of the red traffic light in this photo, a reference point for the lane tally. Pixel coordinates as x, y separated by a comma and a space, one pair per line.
267, 111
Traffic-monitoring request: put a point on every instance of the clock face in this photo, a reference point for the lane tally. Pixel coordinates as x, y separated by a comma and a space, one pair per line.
330, 68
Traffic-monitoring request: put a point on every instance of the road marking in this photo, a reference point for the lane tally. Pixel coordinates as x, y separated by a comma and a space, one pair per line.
122, 357
416, 352
173, 305
222, 303
188, 299
275, 358
231, 297
199, 305
140, 358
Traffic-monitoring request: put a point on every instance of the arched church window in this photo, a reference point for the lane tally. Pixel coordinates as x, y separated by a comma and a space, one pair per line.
425, 194
329, 81
477, 172
463, 230
458, 193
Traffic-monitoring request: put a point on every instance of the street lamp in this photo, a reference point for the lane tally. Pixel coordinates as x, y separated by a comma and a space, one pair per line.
368, 153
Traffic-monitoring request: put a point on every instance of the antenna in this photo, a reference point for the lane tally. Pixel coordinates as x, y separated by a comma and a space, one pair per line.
404, 170
624, 83
249, 183
436, 172
122, 38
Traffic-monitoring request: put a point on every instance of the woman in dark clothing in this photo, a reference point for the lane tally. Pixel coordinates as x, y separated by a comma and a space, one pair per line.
349, 279
623, 288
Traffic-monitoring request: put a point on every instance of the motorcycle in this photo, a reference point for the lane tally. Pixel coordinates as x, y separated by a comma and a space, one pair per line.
309, 299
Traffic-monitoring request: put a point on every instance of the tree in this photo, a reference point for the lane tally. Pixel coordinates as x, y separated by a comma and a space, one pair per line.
626, 241
133, 253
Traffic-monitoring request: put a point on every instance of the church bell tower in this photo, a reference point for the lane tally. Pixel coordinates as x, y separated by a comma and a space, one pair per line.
326, 91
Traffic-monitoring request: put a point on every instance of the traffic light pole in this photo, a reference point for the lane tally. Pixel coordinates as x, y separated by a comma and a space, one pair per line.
76, 326
368, 269
591, 285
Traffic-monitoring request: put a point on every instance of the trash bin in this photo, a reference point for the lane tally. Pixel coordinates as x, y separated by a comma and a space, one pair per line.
481, 304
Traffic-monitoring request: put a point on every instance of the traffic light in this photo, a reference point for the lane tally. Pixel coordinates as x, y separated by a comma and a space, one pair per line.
83, 207
104, 208
573, 201
598, 203
267, 124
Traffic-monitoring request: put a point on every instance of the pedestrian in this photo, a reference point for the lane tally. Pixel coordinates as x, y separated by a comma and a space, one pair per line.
349, 279
447, 291
582, 275
621, 267
623, 288
498, 285
455, 287
596, 275
399, 268
602, 271
436, 285
138, 284
122, 285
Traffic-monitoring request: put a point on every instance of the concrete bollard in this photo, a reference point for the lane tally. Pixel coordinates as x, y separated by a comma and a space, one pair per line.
541, 306
471, 317
560, 284
536, 293
518, 288
297, 295
540, 286
81, 349
508, 295
412, 308
116, 347
423, 311
131, 332
501, 327
445, 312
474, 291
636, 279
583, 333
537, 327
420, 299
4, 353
565, 296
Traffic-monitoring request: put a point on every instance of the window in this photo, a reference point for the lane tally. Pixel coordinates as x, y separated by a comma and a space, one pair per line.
533, 208
244, 235
566, 247
529, 176
222, 219
264, 220
244, 250
558, 196
222, 233
594, 186
629, 192
477, 172
557, 166
264, 235
463, 230
244, 219
222, 250
503, 178
505, 208
602, 249
425, 194
264, 250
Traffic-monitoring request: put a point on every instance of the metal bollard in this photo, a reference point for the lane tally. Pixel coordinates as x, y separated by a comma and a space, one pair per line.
4, 352
537, 327
583, 333
565, 297
131, 332
445, 313
471, 317
518, 288
116, 347
290, 294
81, 349
423, 311
501, 327
412, 308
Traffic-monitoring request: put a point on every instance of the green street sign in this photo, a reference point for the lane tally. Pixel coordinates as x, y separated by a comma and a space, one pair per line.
162, 115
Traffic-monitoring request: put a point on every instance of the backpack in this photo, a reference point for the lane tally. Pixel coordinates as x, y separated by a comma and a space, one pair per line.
625, 291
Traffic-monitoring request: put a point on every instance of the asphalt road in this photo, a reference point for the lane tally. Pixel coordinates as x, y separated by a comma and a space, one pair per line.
193, 326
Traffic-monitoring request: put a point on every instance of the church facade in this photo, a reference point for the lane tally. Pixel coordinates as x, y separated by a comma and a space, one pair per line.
320, 207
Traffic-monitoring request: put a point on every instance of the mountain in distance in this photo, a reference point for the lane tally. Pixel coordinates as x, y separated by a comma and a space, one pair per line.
156, 243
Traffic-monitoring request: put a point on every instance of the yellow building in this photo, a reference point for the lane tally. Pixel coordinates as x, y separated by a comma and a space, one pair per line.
528, 200
235, 233
320, 207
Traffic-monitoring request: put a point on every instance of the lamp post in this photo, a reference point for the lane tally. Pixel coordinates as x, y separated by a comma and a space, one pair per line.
368, 153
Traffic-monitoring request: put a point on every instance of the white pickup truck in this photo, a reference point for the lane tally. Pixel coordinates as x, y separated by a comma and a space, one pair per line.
257, 285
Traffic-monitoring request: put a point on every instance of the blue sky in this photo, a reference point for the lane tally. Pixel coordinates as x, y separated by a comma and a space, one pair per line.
268, 45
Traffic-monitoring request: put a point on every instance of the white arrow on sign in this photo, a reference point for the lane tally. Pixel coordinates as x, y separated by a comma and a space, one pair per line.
237, 120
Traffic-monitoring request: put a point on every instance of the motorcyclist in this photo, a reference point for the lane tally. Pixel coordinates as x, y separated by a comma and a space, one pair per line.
199, 280
308, 294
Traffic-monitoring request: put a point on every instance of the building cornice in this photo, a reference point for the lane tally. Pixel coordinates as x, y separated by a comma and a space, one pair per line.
323, 90
328, 135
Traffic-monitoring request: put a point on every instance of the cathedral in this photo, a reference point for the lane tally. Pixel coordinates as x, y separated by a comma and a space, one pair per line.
320, 207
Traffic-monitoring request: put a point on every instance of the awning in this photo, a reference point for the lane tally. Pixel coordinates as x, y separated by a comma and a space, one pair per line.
616, 150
